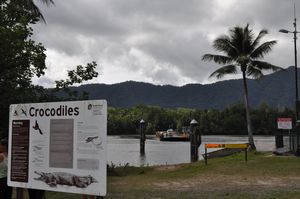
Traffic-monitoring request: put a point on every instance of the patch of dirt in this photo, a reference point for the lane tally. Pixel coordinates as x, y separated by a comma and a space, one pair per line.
167, 167
220, 182
175, 185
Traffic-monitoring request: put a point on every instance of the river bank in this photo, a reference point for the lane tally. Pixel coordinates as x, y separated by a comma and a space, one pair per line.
263, 176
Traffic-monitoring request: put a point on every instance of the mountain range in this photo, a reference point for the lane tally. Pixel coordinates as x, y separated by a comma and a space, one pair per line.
276, 89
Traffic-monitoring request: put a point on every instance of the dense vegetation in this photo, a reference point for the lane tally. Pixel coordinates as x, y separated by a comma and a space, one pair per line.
230, 121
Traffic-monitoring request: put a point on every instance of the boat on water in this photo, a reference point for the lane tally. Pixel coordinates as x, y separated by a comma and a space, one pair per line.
173, 136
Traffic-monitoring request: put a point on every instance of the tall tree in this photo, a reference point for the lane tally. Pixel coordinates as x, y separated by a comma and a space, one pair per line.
242, 52
20, 57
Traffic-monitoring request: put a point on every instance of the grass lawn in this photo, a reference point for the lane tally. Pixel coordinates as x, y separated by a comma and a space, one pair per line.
263, 176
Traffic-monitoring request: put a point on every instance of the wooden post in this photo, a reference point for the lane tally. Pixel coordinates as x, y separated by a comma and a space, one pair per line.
246, 152
290, 140
293, 142
20, 193
142, 137
205, 155
194, 141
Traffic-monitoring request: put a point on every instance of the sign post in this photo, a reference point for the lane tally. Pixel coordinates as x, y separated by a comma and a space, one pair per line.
59, 146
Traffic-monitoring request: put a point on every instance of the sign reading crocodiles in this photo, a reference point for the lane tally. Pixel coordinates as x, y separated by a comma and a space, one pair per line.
59, 146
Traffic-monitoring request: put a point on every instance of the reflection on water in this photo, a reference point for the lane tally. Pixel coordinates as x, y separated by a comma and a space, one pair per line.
123, 150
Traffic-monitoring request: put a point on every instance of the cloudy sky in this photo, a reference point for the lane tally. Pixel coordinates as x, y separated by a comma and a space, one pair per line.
155, 41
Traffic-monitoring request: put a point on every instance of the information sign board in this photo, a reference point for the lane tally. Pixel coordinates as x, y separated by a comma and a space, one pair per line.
59, 146
284, 123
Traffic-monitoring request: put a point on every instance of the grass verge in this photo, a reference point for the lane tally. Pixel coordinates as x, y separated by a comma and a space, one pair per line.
263, 176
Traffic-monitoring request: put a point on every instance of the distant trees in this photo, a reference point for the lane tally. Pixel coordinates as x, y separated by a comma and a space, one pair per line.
242, 52
211, 122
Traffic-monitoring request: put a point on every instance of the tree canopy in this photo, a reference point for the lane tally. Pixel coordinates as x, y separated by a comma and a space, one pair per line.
21, 58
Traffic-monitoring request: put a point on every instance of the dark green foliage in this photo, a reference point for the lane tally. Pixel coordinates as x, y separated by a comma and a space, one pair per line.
20, 57
230, 121
77, 76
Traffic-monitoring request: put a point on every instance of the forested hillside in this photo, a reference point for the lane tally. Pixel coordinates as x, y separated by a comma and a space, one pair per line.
276, 89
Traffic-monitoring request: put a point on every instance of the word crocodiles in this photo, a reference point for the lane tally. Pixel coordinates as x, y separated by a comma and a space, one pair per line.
61, 178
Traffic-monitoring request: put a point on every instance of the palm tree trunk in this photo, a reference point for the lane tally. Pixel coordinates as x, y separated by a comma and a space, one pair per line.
249, 125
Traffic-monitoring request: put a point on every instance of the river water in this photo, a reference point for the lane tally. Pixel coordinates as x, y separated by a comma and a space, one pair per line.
123, 150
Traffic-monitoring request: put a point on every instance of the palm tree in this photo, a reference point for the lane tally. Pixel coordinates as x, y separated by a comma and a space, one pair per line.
242, 52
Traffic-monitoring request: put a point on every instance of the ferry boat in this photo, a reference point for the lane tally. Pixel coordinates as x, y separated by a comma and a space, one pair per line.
173, 136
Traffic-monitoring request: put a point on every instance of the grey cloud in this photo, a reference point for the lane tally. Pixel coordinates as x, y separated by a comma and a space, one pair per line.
184, 53
172, 11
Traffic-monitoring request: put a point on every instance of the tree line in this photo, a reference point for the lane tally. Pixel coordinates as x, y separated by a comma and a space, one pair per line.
230, 121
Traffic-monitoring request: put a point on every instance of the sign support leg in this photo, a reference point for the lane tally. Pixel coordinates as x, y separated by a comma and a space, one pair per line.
20, 193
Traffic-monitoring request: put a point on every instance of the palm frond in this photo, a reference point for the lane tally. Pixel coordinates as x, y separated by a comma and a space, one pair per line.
224, 44
261, 65
242, 38
260, 35
47, 2
225, 70
263, 49
254, 72
219, 59
36, 11
247, 40
34, 8
237, 38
